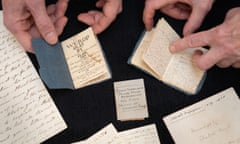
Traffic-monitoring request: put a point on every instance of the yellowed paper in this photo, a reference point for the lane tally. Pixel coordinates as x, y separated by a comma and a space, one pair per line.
142, 135
85, 59
130, 100
214, 120
27, 112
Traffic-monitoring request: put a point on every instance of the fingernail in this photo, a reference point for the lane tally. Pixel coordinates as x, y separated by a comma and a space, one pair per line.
51, 38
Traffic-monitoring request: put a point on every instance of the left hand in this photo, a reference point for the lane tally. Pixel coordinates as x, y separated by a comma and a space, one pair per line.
100, 20
224, 42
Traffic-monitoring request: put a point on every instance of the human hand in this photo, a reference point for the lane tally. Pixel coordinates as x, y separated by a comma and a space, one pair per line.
192, 10
100, 20
27, 19
224, 42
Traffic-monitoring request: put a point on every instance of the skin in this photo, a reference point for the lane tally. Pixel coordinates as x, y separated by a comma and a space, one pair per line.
100, 20
223, 40
26, 19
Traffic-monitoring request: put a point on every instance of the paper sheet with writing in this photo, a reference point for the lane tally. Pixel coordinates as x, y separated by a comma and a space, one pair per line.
108, 135
105, 136
130, 98
27, 112
214, 120
85, 59
142, 135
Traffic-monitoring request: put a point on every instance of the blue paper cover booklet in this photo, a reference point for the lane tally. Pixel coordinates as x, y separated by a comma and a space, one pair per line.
74, 63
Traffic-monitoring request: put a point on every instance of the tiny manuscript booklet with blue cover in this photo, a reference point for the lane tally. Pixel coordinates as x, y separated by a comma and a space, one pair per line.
74, 63
152, 55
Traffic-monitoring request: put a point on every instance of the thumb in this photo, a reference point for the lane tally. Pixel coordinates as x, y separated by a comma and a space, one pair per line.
43, 22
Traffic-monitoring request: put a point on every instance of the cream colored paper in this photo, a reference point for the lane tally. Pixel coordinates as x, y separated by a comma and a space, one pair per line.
130, 100
85, 59
105, 136
214, 120
153, 56
27, 112
142, 135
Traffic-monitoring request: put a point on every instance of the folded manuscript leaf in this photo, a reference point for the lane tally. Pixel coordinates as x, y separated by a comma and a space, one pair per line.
74, 63
28, 114
152, 55
214, 120
108, 135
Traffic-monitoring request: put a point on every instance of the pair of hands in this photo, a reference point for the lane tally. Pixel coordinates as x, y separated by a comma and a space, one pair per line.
28, 18
223, 40
31, 18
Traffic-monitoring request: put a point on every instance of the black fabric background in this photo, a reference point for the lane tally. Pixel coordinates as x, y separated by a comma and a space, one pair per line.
89, 109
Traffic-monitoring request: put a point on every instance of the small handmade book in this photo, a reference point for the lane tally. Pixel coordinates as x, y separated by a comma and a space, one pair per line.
152, 55
74, 63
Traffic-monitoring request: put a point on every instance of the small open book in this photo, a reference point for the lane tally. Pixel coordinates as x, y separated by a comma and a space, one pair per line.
74, 63
152, 55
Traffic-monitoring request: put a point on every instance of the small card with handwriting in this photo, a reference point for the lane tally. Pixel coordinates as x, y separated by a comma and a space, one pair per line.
28, 114
130, 98
74, 63
214, 120
152, 55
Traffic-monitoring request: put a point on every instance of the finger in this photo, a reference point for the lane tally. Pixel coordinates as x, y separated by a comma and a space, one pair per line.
100, 3
236, 65
60, 24
61, 8
25, 39
149, 11
208, 59
86, 18
199, 39
176, 12
225, 63
195, 19
43, 21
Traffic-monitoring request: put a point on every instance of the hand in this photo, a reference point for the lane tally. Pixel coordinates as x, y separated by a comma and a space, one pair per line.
31, 18
100, 20
224, 42
192, 10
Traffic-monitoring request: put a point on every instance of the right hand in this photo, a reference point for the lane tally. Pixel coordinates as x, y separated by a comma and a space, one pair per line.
192, 10
26, 19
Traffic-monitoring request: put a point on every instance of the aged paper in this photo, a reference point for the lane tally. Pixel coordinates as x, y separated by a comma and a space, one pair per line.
105, 136
214, 120
142, 135
152, 55
158, 56
131, 103
183, 72
137, 58
85, 59
27, 112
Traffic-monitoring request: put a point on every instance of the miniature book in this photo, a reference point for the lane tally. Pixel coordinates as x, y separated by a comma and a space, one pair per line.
74, 63
152, 55
214, 120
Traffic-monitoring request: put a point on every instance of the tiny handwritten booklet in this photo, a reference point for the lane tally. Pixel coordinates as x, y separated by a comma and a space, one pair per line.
214, 120
109, 135
74, 63
130, 98
152, 55
28, 114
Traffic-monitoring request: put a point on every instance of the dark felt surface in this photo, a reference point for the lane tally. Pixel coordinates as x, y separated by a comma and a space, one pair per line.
89, 109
